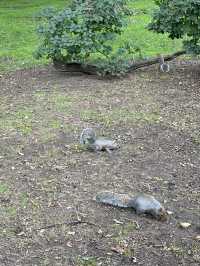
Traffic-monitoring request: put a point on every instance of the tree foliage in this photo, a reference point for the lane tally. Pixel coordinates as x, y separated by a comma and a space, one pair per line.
180, 19
84, 28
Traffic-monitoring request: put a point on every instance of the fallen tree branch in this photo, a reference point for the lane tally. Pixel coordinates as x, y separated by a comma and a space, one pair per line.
94, 70
75, 67
144, 63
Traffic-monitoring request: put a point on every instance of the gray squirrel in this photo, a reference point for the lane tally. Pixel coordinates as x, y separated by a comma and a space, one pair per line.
163, 67
89, 139
142, 204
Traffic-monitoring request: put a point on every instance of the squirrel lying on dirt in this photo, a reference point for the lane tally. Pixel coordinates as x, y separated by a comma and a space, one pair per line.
89, 139
142, 204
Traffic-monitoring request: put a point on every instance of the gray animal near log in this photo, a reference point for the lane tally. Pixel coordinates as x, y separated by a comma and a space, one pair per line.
163, 67
93, 69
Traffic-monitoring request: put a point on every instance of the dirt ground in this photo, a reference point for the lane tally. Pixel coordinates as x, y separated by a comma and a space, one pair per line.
48, 182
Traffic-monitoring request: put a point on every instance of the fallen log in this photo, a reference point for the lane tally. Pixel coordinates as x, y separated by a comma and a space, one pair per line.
152, 61
94, 70
75, 67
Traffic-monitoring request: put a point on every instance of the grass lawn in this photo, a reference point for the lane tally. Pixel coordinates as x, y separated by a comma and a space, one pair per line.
19, 40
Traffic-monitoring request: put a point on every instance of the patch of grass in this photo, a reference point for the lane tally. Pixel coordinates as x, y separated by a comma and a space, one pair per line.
45, 134
61, 103
123, 230
19, 40
90, 115
40, 95
196, 139
17, 32
3, 188
20, 121
150, 43
55, 124
23, 200
8, 212
87, 261
57, 101
52, 152
119, 115
11, 211
176, 249
78, 147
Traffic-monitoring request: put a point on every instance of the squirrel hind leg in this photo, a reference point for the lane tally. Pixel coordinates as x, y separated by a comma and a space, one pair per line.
139, 211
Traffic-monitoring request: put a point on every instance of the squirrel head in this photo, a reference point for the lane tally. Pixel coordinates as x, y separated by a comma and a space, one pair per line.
88, 136
162, 215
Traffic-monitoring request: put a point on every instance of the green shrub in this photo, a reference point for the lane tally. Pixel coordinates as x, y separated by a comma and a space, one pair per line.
180, 19
118, 63
84, 28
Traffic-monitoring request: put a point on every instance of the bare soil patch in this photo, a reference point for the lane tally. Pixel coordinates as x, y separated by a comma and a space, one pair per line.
47, 179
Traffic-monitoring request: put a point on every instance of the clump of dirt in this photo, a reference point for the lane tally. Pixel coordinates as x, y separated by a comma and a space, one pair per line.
48, 182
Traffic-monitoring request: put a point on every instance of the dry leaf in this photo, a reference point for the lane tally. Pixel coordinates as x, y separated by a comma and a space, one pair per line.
117, 221
21, 233
69, 244
108, 236
118, 249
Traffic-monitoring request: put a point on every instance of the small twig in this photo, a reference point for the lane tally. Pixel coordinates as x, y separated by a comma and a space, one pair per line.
77, 214
72, 223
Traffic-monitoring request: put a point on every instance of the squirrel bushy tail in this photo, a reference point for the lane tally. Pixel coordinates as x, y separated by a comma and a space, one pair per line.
114, 199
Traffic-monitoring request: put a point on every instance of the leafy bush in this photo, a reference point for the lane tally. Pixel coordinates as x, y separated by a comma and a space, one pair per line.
180, 19
118, 63
84, 28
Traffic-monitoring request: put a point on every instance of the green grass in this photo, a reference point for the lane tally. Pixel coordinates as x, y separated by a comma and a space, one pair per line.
3, 188
17, 32
124, 116
150, 43
19, 39
21, 120
87, 261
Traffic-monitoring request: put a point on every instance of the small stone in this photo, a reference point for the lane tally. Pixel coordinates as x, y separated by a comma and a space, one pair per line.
197, 238
184, 225
71, 233
100, 232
